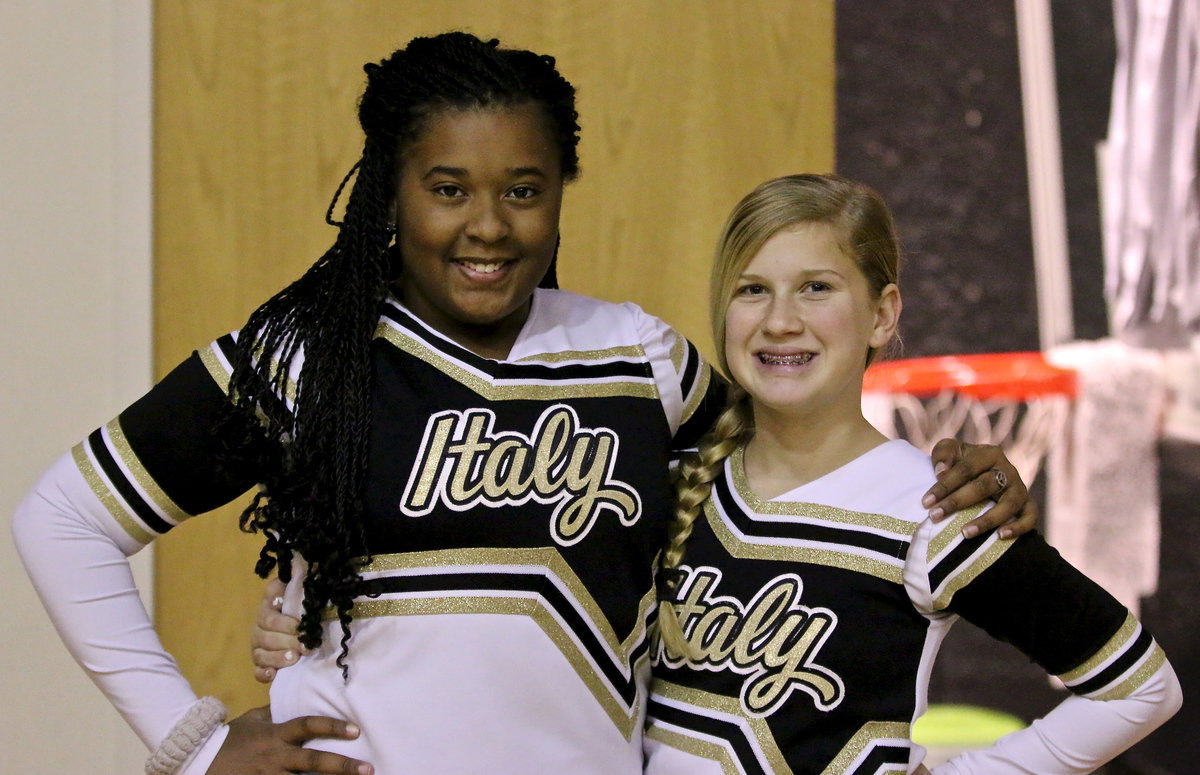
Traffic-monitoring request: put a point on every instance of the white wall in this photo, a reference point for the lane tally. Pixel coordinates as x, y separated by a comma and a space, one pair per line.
75, 89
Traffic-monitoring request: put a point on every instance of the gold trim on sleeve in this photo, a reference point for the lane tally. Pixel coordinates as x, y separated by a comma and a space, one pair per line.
107, 498
678, 351
1139, 676
699, 390
951, 529
962, 576
216, 368
1120, 639
138, 472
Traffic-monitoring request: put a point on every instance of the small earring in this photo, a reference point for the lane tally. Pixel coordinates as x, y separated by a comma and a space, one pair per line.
390, 228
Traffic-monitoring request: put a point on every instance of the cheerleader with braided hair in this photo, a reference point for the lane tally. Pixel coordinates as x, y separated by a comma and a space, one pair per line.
310, 500
462, 470
804, 592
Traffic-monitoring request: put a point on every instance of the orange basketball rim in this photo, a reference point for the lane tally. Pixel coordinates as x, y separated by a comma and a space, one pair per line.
1019, 376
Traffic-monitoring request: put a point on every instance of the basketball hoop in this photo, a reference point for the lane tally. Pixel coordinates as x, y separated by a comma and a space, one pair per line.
1018, 401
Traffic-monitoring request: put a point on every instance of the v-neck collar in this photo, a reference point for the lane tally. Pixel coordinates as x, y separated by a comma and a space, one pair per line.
514, 353
800, 494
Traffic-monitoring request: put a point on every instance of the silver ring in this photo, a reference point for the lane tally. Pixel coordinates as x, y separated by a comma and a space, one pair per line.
1001, 479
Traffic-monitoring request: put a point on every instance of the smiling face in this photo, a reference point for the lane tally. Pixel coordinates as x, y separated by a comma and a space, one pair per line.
800, 324
477, 205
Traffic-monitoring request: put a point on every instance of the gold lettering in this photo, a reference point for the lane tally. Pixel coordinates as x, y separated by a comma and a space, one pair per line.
576, 514
761, 619
418, 497
462, 489
715, 632
773, 639
594, 452
505, 467
697, 591
766, 689
552, 442
464, 463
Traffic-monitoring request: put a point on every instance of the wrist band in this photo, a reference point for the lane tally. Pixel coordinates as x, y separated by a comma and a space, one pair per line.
188, 734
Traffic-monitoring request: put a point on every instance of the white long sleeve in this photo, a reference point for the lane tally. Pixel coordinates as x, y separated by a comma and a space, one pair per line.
1123, 692
1079, 735
77, 559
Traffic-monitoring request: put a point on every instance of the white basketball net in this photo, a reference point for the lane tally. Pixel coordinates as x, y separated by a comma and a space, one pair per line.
1026, 430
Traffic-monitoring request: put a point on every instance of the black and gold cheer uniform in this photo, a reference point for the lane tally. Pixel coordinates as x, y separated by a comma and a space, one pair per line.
513, 512
818, 615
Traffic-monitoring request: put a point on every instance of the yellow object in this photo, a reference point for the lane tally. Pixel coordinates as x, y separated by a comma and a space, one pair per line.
963, 726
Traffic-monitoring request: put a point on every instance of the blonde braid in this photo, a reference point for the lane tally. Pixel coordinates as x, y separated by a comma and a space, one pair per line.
692, 489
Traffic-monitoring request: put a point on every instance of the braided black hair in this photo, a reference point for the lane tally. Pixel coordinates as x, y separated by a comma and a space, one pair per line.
313, 457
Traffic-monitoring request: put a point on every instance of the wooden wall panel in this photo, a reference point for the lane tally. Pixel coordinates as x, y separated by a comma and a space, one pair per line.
684, 107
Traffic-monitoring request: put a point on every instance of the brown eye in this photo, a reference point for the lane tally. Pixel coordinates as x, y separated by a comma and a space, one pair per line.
523, 192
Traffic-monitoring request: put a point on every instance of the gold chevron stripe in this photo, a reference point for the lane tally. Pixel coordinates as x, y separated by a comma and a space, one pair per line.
728, 706
509, 392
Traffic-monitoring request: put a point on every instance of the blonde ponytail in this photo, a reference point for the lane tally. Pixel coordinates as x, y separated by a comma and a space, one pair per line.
693, 486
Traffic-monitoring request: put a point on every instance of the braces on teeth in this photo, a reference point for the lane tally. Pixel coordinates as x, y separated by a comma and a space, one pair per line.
785, 359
